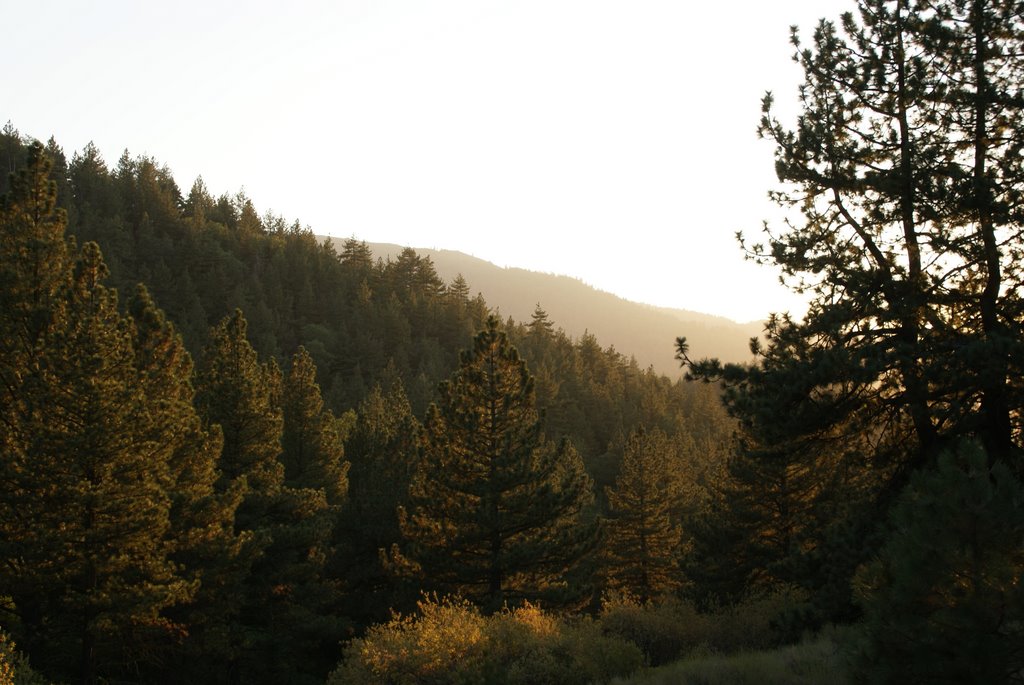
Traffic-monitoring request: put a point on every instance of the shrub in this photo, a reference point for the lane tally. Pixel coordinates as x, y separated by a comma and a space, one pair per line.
664, 631
443, 644
670, 628
14, 668
753, 624
809, 663
450, 642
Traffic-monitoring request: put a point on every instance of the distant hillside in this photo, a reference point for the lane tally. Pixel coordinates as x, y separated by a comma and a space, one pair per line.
639, 330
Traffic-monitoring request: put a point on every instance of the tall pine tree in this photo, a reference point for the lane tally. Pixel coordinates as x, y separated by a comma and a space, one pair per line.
382, 449
277, 618
904, 176
86, 464
496, 512
643, 543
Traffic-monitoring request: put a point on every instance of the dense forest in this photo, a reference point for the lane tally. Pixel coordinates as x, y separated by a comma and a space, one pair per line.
290, 464
634, 328
232, 453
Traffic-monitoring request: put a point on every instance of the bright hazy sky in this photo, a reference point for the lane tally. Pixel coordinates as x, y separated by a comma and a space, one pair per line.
610, 141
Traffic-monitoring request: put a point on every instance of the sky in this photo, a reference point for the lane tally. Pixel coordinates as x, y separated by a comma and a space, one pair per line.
611, 141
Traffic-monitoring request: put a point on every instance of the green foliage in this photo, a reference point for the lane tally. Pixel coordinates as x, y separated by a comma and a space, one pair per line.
14, 666
88, 449
664, 630
809, 663
782, 511
243, 476
238, 393
643, 543
496, 512
278, 616
382, 448
902, 176
669, 628
449, 641
943, 603
312, 448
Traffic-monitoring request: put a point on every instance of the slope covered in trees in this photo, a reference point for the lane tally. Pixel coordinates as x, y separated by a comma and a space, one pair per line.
203, 519
234, 519
634, 329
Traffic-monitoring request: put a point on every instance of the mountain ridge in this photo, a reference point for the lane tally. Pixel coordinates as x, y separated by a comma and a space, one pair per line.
643, 331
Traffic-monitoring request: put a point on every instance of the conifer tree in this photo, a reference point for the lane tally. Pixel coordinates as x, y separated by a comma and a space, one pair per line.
942, 600
84, 508
204, 541
904, 166
382, 449
278, 626
540, 325
496, 512
458, 290
236, 392
312, 447
643, 543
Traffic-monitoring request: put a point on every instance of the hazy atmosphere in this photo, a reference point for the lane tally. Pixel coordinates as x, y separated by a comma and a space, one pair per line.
613, 142
410, 342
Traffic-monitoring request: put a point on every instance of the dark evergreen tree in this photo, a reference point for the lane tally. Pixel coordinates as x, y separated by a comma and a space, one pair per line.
87, 460
382, 449
458, 290
943, 600
12, 154
313, 451
540, 325
496, 512
904, 164
277, 619
205, 544
643, 544
235, 391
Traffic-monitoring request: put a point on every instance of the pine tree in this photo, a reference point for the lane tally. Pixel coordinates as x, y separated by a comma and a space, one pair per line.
382, 449
204, 542
315, 489
496, 512
84, 508
312, 448
906, 158
942, 600
904, 167
540, 325
458, 290
277, 621
643, 543
236, 392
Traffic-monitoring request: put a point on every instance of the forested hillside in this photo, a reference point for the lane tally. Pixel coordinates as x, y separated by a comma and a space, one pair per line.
636, 330
285, 465
232, 453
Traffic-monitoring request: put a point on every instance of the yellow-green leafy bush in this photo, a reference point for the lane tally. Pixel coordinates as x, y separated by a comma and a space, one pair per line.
663, 630
668, 629
449, 641
14, 668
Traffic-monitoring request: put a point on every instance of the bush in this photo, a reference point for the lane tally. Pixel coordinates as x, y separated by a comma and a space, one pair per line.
664, 631
450, 642
809, 663
670, 628
14, 668
756, 623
